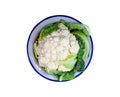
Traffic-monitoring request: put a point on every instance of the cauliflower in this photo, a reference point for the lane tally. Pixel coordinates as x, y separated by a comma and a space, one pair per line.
58, 51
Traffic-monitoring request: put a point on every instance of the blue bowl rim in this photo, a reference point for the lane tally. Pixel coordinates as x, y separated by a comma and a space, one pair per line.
29, 39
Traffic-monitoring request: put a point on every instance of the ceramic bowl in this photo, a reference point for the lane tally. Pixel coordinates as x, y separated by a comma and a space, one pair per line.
34, 34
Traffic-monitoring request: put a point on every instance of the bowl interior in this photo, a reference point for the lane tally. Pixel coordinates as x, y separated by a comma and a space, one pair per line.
34, 34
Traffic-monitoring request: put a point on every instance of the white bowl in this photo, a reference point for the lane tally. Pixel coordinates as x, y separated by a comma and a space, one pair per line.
34, 34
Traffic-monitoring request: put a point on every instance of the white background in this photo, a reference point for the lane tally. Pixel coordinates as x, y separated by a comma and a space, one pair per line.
102, 77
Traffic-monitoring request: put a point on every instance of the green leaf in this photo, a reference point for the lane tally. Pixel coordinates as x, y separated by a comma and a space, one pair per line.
48, 30
80, 65
67, 76
86, 41
62, 21
53, 71
83, 52
34, 50
69, 61
79, 27
57, 76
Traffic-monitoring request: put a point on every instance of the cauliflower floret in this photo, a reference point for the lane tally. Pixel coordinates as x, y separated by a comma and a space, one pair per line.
55, 47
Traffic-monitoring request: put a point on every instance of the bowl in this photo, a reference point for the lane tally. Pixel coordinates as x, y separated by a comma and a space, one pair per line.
34, 34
